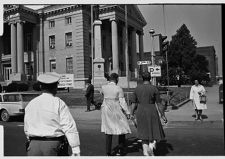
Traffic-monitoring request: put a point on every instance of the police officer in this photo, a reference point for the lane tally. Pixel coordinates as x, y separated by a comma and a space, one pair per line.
48, 123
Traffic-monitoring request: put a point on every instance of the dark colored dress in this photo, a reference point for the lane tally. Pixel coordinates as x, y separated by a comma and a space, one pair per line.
149, 126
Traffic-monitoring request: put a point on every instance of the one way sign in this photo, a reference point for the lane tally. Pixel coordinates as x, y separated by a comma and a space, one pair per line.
155, 71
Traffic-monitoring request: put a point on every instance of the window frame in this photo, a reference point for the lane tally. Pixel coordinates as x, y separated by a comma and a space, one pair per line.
68, 42
67, 66
51, 24
68, 20
51, 45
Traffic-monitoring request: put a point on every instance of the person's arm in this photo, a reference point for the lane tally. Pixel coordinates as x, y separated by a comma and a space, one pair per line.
123, 102
161, 108
69, 127
191, 93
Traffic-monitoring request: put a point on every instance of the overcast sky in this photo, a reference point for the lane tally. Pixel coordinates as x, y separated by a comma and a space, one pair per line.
203, 21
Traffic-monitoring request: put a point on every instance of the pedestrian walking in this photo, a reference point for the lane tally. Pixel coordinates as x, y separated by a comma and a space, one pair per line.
90, 96
114, 115
48, 123
146, 105
198, 97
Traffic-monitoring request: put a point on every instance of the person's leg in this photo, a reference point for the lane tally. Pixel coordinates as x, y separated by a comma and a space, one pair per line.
122, 144
108, 144
145, 147
196, 114
152, 146
200, 114
50, 148
88, 104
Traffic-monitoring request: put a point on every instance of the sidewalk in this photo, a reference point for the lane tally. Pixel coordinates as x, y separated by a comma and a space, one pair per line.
185, 112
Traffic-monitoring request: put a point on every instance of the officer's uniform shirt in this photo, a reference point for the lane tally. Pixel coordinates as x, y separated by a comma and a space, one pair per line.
49, 116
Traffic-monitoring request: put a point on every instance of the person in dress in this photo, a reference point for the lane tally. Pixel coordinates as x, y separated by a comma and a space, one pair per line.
48, 122
145, 105
114, 114
196, 91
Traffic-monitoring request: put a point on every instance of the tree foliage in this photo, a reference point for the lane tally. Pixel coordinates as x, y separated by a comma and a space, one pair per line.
183, 60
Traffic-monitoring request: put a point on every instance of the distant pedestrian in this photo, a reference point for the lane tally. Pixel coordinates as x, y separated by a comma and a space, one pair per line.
114, 114
197, 93
145, 101
90, 96
48, 124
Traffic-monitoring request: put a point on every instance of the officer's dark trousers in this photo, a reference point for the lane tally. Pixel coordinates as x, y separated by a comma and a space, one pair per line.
43, 148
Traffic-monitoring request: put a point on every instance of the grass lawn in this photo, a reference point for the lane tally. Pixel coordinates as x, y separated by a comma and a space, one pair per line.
75, 97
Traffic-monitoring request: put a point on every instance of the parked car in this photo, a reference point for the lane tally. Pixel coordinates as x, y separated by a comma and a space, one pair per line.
13, 104
221, 93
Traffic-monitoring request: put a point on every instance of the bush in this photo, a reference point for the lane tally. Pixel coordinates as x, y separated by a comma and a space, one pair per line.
37, 86
22, 87
17, 87
12, 87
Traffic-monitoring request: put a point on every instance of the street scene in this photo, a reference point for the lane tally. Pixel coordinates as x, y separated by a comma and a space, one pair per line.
111, 80
184, 135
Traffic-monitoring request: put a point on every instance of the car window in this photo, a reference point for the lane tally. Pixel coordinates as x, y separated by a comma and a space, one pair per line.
29, 97
0, 98
11, 98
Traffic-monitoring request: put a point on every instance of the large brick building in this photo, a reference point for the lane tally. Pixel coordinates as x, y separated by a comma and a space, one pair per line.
209, 53
58, 38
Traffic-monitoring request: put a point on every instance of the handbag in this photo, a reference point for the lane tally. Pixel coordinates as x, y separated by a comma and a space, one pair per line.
202, 99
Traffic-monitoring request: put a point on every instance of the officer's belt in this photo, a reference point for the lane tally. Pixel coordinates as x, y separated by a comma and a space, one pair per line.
61, 138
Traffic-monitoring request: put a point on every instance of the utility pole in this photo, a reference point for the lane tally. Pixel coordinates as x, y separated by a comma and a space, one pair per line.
126, 48
152, 31
92, 46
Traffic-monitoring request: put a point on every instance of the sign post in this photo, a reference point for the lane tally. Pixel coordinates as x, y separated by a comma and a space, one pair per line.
155, 71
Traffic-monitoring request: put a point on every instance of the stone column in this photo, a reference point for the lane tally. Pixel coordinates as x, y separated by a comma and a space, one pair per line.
35, 52
1, 52
99, 78
115, 57
20, 48
134, 53
13, 49
141, 51
41, 48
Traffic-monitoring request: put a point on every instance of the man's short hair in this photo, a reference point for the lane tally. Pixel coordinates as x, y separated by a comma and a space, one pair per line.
146, 76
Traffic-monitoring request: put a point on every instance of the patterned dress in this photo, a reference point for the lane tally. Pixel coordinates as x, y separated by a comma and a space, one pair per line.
149, 126
114, 121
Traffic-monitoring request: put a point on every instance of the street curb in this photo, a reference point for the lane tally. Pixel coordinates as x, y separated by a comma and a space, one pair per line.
183, 102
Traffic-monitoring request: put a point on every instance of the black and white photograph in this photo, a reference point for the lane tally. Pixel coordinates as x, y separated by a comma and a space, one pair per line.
105, 79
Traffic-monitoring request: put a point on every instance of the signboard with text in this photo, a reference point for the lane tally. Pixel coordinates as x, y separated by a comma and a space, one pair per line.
66, 80
144, 63
155, 71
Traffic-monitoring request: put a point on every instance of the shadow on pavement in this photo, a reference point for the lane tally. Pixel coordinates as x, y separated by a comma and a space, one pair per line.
203, 116
133, 145
163, 148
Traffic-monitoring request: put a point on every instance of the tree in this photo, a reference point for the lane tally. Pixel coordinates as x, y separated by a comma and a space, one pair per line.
182, 56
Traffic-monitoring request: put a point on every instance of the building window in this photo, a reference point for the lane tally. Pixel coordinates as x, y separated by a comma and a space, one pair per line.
52, 65
68, 37
51, 24
52, 41
69, 65
68, 20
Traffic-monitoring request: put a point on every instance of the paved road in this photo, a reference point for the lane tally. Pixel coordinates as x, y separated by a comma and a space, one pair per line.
184, 136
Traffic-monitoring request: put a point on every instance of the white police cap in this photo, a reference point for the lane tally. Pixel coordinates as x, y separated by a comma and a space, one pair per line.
49, 77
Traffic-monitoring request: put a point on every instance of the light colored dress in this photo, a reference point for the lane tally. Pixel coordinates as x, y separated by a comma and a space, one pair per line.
114, 121
194, 95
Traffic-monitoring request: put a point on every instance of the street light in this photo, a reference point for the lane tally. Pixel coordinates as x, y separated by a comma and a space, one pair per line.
152, 31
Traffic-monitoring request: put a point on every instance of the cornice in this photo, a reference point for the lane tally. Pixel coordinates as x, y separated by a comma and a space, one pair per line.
66, 9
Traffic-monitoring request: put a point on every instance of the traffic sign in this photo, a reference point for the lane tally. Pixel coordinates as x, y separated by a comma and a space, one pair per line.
155, 71
144, 63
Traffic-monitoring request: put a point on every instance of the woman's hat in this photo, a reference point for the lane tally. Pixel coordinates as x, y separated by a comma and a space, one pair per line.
49, 77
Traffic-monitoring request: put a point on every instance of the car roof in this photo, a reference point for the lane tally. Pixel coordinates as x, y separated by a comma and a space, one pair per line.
19, 93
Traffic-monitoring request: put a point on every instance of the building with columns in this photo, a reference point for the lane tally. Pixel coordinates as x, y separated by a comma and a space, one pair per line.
57, 38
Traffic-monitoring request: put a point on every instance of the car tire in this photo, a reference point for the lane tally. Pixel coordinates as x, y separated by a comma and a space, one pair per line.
4, 115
